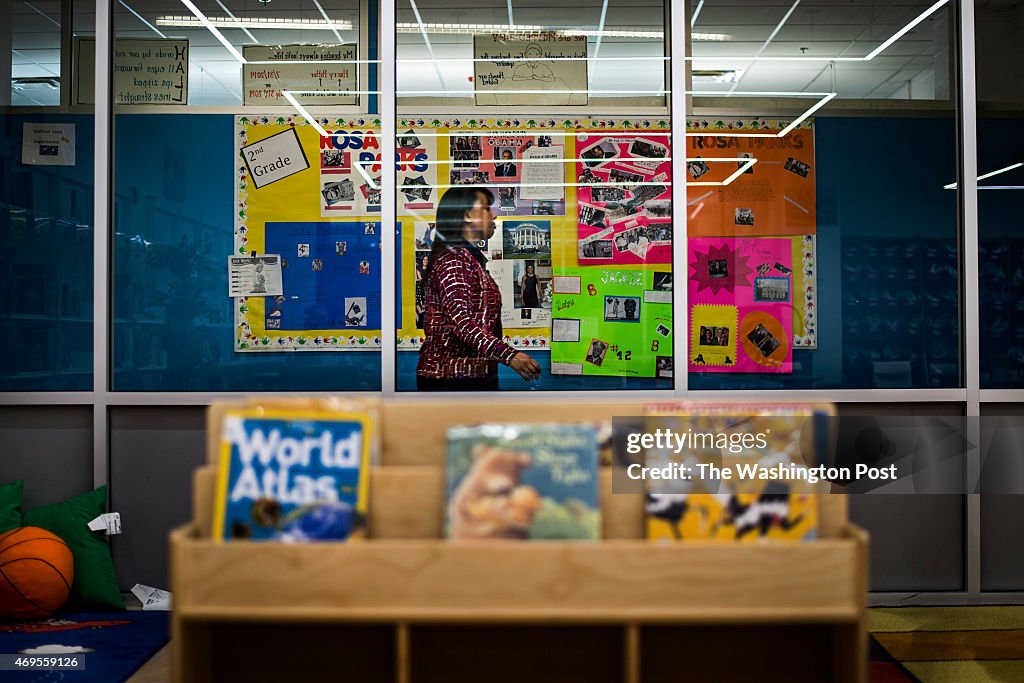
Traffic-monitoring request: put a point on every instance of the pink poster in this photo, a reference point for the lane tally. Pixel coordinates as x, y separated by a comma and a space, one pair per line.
624, 198
741, 304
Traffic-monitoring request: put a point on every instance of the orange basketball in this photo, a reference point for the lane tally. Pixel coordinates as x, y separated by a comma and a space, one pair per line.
36, 570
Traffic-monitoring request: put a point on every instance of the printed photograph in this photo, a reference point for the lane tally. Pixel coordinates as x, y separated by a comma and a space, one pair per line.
765, 342
332, 158
697, 168
745, 155
423, 235
663, 366
663, 282
607, 194
355, 311
303, 250
771, 289
369, 228
336, 192
525, 238
646, 148
466, 159
596, 352
743, 216
718, 268
596, 249
714, 336
504, 162
627, 179
364, 267
663, 331
463, 143
507, 198
798, 167
587, 178
658, 208
318, 265
543, 208
659, 232
411, 189
531, 284
599, 153
409, 140
622, 309
592, 215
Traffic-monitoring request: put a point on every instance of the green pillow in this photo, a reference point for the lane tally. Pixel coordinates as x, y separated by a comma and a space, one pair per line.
10, 505
95, 583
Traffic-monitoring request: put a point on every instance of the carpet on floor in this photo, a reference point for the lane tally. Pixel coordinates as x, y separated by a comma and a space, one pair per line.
114, 644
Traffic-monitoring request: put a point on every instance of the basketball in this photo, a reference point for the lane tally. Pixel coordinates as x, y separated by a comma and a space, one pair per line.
36, 570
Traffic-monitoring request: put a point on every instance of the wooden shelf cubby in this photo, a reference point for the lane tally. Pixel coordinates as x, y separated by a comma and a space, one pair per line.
409, 607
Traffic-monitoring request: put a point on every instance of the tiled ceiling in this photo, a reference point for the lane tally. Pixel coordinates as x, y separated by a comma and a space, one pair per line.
916, 66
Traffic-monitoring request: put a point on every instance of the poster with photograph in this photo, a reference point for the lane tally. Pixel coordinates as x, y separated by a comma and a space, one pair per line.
533, 188
624, 199
329, 296
776, 196
741, 305
542, 68
611, 322
526, 291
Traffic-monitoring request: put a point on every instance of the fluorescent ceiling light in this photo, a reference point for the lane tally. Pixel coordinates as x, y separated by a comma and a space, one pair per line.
952, 186
212, 29
255, 22
408, 27
803, 58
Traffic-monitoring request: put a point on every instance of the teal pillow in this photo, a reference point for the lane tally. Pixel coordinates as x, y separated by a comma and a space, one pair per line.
10, 505
95, 583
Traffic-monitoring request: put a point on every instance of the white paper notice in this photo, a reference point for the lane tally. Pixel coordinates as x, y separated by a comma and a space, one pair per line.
567, 284
254, 275
554, 71
48, 144
311, 69
543, 173
275, 158
565, 330
152, 598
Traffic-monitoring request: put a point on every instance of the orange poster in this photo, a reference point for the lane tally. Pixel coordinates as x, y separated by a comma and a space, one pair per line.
744, 179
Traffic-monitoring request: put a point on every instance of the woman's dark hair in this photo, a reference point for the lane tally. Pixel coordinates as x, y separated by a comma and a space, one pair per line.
451, 219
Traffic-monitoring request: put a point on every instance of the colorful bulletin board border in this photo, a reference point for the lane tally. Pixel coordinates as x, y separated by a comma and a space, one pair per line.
351, 254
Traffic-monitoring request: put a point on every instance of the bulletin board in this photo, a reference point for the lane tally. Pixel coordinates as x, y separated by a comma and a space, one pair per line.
322, 216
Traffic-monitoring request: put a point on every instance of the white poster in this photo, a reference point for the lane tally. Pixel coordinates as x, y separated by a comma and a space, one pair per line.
543, 173
48, 144
530, 68
255, 276
319, 77
146, 71
275, 158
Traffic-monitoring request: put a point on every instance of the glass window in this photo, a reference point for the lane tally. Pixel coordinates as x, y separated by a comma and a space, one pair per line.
534, 141
46, 216
841, 235
194, 189
1000, 73
31, 35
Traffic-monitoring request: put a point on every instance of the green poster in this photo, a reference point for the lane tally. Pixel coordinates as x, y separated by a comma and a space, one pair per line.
612, 322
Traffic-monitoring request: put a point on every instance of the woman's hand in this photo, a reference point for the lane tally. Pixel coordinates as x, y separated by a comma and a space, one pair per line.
527, 367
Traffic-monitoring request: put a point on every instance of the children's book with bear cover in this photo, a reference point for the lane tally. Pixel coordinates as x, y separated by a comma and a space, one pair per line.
525, 482
291, 473
770, 452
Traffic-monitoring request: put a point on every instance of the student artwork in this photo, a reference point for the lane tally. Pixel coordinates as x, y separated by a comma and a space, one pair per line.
543, 68
527, 178
624, 209
611, 322
741, 305
774, 196
330, 269
519, 256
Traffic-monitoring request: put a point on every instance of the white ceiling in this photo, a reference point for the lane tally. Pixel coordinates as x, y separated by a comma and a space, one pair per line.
916, 65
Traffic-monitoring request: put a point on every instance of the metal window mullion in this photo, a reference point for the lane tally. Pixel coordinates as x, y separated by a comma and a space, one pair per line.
969, 284
388, 179
67, 19
678, 66
102, 218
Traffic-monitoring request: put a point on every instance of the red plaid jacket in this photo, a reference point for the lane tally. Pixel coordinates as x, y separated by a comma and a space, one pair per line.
463, 311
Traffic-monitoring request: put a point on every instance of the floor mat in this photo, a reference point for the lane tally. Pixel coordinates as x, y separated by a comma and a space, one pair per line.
114, 644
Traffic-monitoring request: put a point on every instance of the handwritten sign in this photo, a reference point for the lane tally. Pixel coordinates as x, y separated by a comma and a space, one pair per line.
530, 68
145, 71
272, 69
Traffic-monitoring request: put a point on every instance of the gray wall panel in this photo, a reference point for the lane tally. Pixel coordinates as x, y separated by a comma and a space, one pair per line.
917, 542
50, 448
1002, 526
153, 452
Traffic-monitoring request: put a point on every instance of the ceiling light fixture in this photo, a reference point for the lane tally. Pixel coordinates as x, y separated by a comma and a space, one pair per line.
952, 186
212, 29
254, 22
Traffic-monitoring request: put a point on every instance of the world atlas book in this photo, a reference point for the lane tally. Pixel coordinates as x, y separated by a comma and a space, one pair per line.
292, 475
